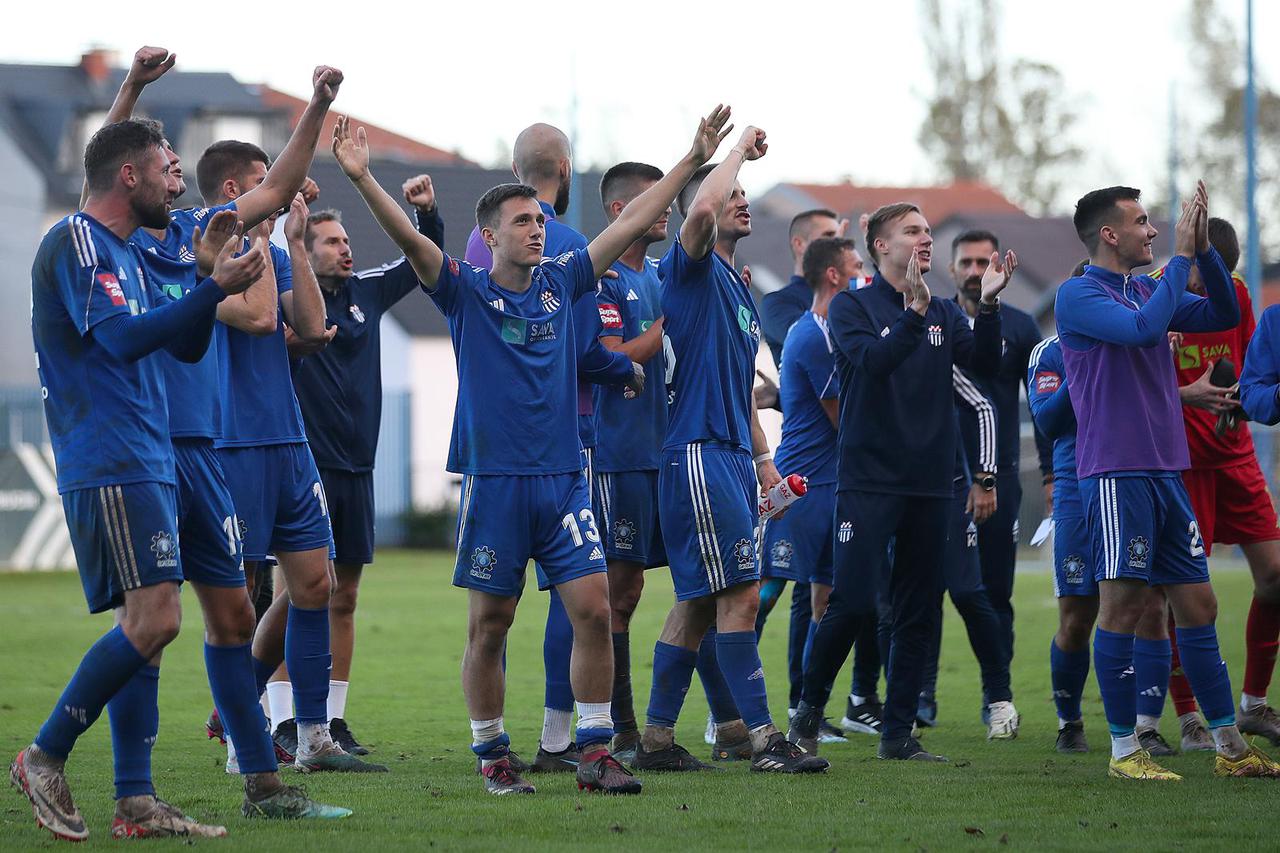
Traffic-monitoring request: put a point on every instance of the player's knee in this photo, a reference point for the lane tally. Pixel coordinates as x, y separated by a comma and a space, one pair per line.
343, 602
152, 629
1266, 586
313, 592
488, 630
624, 600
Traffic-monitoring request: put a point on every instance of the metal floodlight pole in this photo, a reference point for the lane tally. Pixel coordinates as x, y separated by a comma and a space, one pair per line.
1174, 209
1253, 262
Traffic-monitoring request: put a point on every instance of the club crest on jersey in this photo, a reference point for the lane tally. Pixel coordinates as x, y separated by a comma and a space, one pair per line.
186, 255
1047, 382
935, 335
744, 553
165, 548
747, 322
1073, 570
781, 554
483, 560
610, 316
845, 533
1139, 552
454, 268
550, 302
623, 534
111, 285
356, 313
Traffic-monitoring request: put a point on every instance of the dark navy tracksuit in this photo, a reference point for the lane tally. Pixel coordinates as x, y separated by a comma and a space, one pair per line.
340, 394
897, 459
998, 535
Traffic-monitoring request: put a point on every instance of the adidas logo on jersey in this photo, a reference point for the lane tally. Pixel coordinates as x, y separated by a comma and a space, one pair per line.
596, 554
631, 296
499, 304
1153, 691
757, 675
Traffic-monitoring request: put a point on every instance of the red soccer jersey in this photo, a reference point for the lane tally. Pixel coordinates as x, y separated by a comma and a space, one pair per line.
1198, 349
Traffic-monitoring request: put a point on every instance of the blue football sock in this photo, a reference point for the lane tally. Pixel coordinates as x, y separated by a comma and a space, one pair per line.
104, 670
231, 681
719, 697
1152, 661
1068, 672
672, 672
739, 659
557, 650
808, 643
262, 673
134, 713
1207, 671
1113, 665
494, 749
306, 654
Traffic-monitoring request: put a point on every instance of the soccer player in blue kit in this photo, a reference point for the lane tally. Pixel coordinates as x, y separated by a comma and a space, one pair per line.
1130, 450
541, 159
96, 317
705, 483
514, 440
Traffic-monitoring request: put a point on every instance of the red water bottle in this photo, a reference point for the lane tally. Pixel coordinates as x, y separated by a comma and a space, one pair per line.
786, 492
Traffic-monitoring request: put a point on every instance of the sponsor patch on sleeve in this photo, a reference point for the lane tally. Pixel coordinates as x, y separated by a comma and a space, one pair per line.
610, 316
1047, 382
111, 286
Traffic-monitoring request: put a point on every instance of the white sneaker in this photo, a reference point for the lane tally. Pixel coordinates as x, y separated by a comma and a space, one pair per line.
1004, 721
709, 736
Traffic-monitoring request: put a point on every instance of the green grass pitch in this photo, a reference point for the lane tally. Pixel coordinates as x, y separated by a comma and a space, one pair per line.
406, 701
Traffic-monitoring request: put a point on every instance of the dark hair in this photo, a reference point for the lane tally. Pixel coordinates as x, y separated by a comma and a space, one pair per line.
327, 215
975, 235
1096, 209
1078, 269
116, 144
690, 190
804, 216
621, 180
1222, 236
222, 160
490, 204
884, 215
822, 254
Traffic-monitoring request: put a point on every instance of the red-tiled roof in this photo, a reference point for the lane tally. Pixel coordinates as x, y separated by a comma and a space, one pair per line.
383, 143
938, 203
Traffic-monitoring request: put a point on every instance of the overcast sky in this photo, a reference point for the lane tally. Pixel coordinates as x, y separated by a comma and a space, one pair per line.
839, 87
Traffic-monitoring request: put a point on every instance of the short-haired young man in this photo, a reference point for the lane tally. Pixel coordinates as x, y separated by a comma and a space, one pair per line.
1130, 452
515, 440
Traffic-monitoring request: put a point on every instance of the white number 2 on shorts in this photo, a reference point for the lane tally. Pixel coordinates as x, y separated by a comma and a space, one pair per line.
1197, 544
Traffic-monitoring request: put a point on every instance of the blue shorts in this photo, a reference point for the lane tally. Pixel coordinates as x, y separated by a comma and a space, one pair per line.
708, 494
961, 565
279, 498
1144, 528
627, 506
207, 523
797, 547
350, 496
1072, 553
125, 538
504, 521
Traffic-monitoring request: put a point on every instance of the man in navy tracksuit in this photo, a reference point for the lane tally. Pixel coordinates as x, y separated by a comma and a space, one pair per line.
339, 393
895, 348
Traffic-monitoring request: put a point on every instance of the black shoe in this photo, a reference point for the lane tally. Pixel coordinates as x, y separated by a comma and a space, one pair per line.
625, 745
927, 712
285, 738
1154, 743
1071, 738
606, 774
804, 728
564, 761
867, 718
342, 734
782, 756
737, 750
674, 758
906, 750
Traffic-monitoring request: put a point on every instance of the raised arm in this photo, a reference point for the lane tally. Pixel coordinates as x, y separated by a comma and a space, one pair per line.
288, 172
698, 232
304, 303
254, 311
640, 214
353, 156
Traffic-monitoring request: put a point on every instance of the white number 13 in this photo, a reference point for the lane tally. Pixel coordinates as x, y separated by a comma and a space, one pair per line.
571, 525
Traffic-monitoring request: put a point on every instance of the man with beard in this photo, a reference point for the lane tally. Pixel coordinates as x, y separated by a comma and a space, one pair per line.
340, 395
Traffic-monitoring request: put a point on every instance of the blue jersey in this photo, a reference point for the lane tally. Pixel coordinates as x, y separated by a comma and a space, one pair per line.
108, 419
171, 264
631, 432
1050, 402
517, 384
714, 331
778, 310
259, 406
808, 377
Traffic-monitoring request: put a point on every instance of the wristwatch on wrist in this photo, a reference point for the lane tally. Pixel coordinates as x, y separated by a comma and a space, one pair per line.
986, 481
989, 307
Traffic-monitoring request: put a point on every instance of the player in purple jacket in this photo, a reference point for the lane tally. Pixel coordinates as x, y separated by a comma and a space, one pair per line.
1130, 450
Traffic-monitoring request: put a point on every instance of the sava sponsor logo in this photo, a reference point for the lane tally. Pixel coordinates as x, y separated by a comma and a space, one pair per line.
1047, 382
747, 322
610, 316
